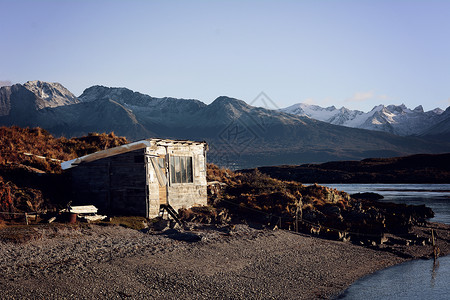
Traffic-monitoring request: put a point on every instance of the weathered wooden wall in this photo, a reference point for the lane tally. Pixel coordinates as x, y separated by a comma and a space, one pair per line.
180, 195
127, 183
185, 195
115, 184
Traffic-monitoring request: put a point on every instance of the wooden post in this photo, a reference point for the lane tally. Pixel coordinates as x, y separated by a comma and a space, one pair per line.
436, 250
9, 196
279, 222
26, 218
300, 204
109, 186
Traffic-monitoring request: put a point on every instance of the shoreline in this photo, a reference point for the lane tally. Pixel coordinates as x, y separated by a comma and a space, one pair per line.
91, 261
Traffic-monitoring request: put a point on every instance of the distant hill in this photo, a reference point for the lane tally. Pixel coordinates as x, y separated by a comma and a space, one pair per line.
420, 168
239, 135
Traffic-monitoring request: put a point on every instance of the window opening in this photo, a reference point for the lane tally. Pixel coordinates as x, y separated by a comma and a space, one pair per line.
181, 169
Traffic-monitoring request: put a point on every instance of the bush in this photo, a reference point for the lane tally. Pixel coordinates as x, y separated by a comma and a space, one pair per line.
27, 153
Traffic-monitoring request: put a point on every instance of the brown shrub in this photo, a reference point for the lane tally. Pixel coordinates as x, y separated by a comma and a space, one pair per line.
214, 173
204, 214
46, 151
27, 152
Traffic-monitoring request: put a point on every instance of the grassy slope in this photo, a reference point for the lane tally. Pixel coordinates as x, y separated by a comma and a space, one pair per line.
34, 182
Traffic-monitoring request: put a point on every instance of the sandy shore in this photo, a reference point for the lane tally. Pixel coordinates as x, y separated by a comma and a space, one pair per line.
113, 262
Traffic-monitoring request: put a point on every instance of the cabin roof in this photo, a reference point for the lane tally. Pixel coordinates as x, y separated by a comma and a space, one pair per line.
126, 148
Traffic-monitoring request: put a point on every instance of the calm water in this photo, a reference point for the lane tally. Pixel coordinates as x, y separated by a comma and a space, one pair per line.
418, 279
435, 196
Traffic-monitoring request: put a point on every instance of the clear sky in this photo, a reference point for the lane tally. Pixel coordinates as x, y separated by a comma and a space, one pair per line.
345, 53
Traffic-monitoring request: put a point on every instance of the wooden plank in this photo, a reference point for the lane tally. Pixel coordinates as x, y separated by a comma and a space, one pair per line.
105, 153
94, 218
163, 188
84, 209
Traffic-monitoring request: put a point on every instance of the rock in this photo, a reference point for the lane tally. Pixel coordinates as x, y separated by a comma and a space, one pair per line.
182, 236
355, 216
331, 210
144, 224
314, 216
161, 225
174, 225
367, 196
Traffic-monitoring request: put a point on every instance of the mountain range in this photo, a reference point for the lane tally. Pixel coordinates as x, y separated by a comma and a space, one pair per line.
239, 135
395, 119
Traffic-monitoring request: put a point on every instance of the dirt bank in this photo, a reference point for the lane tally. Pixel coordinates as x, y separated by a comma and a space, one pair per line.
93, 262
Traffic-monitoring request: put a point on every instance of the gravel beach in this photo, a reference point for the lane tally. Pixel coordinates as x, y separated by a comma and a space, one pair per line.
113, 262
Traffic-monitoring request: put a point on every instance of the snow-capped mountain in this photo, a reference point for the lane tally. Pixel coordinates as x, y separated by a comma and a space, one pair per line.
20, 101
395, 119
50, 94
239, 135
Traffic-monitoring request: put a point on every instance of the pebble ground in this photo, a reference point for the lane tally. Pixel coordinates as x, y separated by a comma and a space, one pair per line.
112, 262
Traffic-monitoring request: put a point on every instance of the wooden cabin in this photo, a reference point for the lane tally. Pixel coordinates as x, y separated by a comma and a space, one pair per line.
141, 177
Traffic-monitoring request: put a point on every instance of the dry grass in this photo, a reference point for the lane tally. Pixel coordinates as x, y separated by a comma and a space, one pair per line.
256, 196
215, 173
34, 182
16, 143
205, 214
259, 191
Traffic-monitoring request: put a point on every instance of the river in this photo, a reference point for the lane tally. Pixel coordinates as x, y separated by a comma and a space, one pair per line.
417, 279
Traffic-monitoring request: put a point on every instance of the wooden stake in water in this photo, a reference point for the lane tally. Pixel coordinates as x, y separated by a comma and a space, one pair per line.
436, 250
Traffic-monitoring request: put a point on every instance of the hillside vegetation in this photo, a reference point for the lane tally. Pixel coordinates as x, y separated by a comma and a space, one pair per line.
31, 180
258, 197
30, 171
36, 147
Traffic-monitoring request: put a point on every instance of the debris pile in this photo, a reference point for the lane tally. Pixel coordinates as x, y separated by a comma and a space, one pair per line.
87, 213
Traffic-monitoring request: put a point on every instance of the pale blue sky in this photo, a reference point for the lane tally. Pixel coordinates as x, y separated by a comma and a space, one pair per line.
345, 53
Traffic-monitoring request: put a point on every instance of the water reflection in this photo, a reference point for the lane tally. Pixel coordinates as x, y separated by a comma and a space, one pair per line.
434, 272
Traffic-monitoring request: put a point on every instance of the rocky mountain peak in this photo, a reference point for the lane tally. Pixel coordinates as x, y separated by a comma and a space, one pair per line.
97, 92
52, 94
257, 135
419, 109
437, 111
229, 102
226, 99
17, 101
396, 119
396, 109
